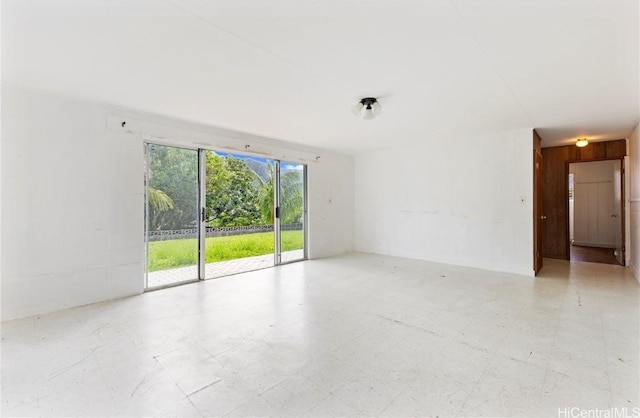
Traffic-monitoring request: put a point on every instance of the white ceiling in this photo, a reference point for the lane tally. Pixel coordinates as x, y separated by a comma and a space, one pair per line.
291, 69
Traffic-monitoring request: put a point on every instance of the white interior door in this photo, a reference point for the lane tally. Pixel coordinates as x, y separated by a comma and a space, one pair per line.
584, 210
616, 212
596, 212
605, 214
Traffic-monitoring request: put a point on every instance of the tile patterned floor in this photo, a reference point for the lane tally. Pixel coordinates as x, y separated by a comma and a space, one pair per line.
357, 335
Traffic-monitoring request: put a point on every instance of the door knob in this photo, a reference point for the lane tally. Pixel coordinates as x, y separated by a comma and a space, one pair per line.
543, 217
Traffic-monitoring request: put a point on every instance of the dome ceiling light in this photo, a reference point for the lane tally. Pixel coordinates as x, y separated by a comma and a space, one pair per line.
367, 108
582, 142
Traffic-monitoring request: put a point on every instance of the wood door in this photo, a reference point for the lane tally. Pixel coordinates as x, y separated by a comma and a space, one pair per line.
538, 216
555, 202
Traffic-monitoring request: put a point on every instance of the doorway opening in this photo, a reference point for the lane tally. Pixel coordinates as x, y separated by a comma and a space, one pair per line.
596, 225
239, 201
210, 214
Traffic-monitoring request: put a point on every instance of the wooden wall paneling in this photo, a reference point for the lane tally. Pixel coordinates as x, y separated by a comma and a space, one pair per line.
599, 150
616, 149
555, 197
593, 151
584, 153
573, 153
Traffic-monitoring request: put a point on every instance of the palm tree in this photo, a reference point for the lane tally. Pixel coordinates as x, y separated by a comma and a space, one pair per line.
159, 200
291, 196
265, 195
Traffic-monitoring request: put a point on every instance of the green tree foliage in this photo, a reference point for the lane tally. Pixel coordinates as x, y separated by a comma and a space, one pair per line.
174, 172
232, 197
235, 194
159, 200
291, 196
265, 195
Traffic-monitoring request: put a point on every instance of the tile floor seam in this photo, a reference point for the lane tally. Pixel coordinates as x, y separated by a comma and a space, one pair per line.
104, 380
555, 337
70, 367
606, 356
475, 386
337, 356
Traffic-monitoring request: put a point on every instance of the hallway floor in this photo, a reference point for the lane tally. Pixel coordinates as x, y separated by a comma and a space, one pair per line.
593, 254
356, 335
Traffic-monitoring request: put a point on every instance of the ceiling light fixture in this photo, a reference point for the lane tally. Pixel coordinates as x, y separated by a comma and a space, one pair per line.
582, 142
367, 108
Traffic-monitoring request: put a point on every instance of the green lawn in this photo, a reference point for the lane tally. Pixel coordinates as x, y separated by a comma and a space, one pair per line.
184, 252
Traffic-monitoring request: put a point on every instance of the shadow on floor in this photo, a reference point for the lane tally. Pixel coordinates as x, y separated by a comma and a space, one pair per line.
593, 254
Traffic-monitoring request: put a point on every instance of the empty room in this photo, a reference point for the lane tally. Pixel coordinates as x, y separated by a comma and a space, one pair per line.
352, 208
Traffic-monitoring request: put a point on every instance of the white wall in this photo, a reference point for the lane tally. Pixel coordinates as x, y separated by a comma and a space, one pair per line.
633, 248
461, 200
72, 197
331, 206
71, 214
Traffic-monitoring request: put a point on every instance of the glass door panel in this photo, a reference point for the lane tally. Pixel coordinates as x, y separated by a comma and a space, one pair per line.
171, 215
292, 211
239, 213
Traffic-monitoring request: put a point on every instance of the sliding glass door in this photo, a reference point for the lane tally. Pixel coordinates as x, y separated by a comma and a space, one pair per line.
210, 214
239, 214
291, 196
171, 209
